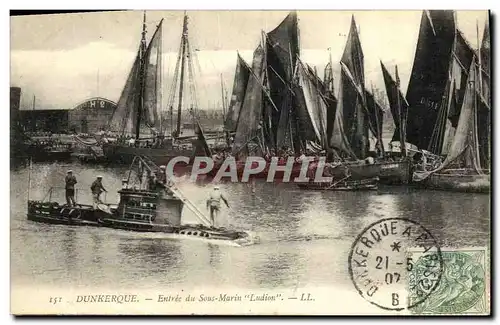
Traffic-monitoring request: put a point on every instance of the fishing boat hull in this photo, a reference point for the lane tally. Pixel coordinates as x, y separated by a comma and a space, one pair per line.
347, 185
53, 213
88, 158
264, 174
118, 153
458, 182
42, 154
388, 172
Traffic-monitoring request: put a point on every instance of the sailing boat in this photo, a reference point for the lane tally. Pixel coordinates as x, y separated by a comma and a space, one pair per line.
140, 107
286, 107
462, 169
356, 117
253, 116
241, 77
466, 166
277, 107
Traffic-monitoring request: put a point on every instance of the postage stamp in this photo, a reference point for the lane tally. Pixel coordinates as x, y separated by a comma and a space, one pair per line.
463, 288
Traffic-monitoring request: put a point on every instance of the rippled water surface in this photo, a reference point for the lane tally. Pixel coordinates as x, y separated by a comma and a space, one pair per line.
305, 235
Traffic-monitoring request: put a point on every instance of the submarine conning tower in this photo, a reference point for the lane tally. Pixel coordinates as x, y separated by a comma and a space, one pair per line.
144, 205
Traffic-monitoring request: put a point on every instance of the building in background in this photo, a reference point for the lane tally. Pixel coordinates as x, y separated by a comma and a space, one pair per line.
44, 120
15, 103
91, 115
16, 132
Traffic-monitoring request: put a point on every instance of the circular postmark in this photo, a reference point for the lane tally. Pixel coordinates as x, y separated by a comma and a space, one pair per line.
395, 263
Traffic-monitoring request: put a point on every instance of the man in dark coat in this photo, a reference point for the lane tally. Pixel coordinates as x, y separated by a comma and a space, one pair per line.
70, 188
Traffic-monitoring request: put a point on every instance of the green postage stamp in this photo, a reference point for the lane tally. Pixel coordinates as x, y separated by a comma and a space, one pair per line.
463, 283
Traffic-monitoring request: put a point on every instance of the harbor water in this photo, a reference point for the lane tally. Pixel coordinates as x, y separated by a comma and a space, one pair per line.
305, 236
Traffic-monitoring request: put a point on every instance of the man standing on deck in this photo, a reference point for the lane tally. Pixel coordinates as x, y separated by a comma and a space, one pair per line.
97, 189
213, 203
70, 188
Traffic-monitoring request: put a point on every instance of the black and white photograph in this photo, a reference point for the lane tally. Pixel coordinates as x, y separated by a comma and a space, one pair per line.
251, 162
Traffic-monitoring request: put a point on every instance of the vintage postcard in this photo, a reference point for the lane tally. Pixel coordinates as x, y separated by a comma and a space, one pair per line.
250, 163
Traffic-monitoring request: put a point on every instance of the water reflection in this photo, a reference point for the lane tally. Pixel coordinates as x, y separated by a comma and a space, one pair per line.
68, 245
160, 257
97, 242
215, 255
278, 268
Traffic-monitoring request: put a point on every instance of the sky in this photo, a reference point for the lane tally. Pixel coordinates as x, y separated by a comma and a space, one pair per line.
65, 58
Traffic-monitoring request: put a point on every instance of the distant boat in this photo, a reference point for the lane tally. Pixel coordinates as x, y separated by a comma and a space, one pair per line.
139, 108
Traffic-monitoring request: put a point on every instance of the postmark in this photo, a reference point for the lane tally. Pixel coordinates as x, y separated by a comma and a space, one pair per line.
463, 285
379, 265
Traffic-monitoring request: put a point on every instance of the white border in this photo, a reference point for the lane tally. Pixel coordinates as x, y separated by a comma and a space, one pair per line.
191, 5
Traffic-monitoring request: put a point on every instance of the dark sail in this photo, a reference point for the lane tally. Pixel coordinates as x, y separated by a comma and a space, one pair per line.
484, 132
429, 75
353, 55
399, 109
123, 118
249, 126
313, 106
462, 58
330, 99
485, 62
239, 87
352, 82
338, 139
202, 148
282, 49
375, 113
152, 81
331, 109
451, 104
484, 104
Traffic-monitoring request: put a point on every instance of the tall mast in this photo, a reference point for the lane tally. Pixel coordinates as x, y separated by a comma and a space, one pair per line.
476, 89
479, 59
97, 82
331, 69
474, 118
141, 78
402, 121
324, 143
378, 123
223, 98
183, 62
291, 100
160, 82
33, 121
